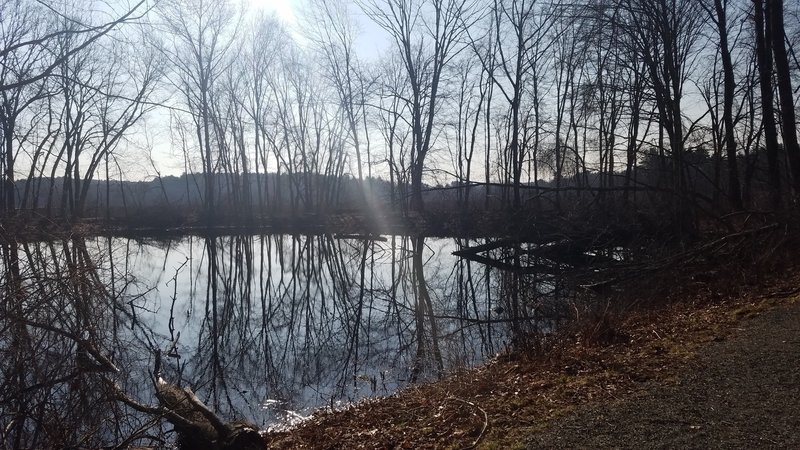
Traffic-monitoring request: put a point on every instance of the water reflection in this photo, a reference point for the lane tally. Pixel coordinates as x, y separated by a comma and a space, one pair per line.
261, 327
60, 328
309, 320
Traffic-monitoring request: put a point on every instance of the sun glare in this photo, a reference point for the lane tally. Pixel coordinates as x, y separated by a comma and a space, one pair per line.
285, 9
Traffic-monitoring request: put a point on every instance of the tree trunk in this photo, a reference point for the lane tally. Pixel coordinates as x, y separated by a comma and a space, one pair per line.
734, 190
764, 59
789, 126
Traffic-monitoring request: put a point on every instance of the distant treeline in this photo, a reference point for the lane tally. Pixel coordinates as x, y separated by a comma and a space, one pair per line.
270, 195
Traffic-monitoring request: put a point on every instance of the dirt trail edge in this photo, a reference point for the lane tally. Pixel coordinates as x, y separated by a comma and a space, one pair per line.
740, 392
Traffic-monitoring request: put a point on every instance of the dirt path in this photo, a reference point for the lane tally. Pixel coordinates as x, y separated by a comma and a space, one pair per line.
741, 392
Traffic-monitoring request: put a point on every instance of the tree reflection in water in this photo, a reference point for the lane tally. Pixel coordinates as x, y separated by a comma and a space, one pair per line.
263, 328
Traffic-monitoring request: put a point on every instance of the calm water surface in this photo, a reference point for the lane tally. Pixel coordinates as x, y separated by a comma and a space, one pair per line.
266, 328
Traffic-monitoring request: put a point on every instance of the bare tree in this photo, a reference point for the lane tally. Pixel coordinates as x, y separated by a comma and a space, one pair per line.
426, 35
719, 17
85, 35
664, 34
470, 100
31, 34
203, 35
394, 127
21, 21
259, 63
763, 38
784, 82
332, 31
525, 26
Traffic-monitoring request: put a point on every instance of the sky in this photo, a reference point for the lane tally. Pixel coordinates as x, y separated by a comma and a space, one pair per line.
369, 43
285, 9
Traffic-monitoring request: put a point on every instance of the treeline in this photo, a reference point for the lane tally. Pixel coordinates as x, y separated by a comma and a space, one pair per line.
504, 99
181, 198
282, 195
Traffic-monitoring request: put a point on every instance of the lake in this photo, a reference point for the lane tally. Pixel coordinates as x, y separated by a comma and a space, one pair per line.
267, 328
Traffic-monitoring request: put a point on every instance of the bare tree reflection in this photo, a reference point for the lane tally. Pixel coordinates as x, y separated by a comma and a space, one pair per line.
423, 309
305, 321
60, 326
263, 328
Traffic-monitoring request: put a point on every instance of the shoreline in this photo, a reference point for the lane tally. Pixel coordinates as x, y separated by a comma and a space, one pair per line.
516, 395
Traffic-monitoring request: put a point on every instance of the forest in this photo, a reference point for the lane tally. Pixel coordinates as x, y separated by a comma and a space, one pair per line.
217, 220
681, 111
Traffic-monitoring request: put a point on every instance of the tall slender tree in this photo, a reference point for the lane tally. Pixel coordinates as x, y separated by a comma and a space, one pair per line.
784, 80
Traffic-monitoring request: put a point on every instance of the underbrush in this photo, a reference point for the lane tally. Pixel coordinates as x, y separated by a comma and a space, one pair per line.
717, 269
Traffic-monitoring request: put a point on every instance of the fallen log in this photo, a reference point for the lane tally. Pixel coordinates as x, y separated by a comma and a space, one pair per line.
198, 427
201, 428
468, 251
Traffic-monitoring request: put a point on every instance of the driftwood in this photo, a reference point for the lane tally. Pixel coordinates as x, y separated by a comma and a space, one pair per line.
573, 253
466, 252
511, 268
200, 428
